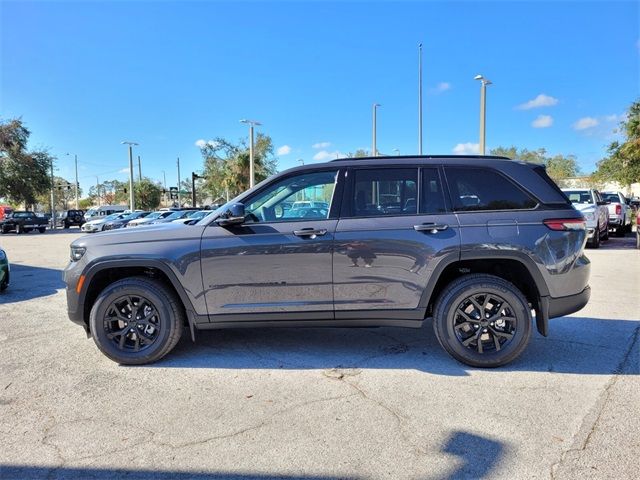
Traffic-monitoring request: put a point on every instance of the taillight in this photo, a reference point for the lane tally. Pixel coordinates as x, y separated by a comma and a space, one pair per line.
564, 224
618, 209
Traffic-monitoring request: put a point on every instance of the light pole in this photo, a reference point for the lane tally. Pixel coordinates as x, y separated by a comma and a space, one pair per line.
301, 160
420, 99
483, 109
76, 162
374, 149
132, 204
397, 151
251, 123
164, 183
179, 199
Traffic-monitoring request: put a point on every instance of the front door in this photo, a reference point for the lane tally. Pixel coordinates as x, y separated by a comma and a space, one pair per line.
389, 240
277, 265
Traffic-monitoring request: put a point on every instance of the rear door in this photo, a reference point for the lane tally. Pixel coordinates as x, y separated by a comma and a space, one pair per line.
394, 229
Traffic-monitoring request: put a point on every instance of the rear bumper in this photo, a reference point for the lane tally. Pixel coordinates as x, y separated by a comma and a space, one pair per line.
561, 306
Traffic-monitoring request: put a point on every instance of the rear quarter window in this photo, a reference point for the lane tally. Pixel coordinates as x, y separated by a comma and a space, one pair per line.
474, 189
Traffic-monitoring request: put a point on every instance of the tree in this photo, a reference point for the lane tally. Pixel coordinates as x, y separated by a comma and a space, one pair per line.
23, 174
147, 194
359, 153
226, 165
559, 167
623, 162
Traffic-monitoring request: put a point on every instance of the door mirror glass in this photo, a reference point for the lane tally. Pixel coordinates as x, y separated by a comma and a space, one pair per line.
233, 216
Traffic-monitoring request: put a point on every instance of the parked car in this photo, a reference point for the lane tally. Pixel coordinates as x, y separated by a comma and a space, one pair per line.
5, 270
476, 271
193, 217
124, 221
103, 211
147, 219
97, 225
595, 211
620, 214
70, 218
23, 222
638, 230
309, 204
174, 216
4, 211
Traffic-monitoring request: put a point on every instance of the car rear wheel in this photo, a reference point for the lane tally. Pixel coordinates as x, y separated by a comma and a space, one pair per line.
42, 229
482, 320
19, 229
136, 320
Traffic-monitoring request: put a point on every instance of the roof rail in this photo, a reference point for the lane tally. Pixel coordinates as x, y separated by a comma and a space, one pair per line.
392, 157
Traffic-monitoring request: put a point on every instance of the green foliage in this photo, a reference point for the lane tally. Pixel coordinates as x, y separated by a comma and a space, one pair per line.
65, 198
24, 175
559, 167
226, 165
147, 194
623, 162
360, 153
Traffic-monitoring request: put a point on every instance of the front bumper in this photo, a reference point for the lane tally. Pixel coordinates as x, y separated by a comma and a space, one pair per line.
91, 228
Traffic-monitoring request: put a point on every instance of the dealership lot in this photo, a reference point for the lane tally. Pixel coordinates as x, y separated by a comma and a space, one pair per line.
316, 403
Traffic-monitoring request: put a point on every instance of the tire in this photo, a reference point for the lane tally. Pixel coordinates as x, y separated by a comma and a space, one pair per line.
447, 319
42, 229
605, 237
620, 231
168, 321
595, 243
638, 239
66, 226
19, 229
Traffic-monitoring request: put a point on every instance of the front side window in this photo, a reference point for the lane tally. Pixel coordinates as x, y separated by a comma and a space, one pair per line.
301, 197
483, 189
385, 192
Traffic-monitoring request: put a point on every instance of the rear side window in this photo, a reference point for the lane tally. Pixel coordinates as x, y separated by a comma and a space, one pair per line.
483, 189
388, 191
432, 198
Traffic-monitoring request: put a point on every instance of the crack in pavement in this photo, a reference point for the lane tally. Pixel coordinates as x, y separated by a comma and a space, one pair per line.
592, 418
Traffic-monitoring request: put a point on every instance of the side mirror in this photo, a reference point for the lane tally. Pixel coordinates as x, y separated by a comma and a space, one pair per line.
233, 216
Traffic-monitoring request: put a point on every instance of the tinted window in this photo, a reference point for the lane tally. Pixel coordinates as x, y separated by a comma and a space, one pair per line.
579, 196
611, 197
385, 192
432, 198
300, 197
483, 189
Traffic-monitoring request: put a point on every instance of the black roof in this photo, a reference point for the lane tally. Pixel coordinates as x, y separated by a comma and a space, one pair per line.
423, 157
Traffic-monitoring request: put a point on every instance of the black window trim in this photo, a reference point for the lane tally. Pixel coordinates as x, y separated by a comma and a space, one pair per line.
506, 177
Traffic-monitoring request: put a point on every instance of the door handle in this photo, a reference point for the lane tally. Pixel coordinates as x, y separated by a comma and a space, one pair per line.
310, 232
431, 227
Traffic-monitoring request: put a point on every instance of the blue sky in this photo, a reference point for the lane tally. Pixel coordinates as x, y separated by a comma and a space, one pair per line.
86, 75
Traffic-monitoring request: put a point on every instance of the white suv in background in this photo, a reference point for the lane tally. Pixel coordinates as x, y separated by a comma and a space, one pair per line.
591, 204
619, 212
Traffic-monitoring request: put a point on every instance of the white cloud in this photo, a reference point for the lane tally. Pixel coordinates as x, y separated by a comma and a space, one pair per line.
541, 100
543, 121
585, 123
441, 87
466, 148
124, 170
203, 143
284, 150
320, 145
324, 155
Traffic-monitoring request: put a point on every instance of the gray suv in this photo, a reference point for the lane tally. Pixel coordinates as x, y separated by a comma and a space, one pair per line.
481, 246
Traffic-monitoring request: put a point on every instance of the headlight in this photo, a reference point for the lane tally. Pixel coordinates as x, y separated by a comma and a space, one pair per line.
3, 256
77, 253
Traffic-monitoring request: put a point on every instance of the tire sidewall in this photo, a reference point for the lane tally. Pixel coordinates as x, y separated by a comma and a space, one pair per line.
448, 337
104, 300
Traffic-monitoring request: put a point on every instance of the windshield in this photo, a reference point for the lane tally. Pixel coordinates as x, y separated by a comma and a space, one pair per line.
153, 215
176, 215
113, 216
199, 215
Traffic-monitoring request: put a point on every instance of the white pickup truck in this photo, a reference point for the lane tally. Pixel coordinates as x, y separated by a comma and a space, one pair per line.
619, 212
590, 203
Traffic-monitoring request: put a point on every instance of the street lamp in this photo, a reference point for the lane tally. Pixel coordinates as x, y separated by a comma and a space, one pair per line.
374, 149
397, 151
483, 107
76, 162
251, 123
132, 205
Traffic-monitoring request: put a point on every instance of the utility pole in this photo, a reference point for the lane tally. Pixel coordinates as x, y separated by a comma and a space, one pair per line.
420, 99
76, 189
179, 201
252, 124
374, 148
483, 109
53, 203
139, 169
132, 204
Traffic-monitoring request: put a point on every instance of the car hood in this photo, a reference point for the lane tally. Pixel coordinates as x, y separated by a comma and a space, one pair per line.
153, 233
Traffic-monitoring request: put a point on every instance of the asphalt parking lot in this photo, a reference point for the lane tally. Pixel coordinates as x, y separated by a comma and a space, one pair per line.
316, 403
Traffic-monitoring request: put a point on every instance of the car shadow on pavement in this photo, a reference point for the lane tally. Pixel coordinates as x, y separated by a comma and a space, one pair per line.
23, 472
628, 242
28, 282
479, 455
576, 345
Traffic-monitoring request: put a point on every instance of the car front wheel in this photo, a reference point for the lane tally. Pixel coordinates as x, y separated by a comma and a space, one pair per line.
136, 320
482, 320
